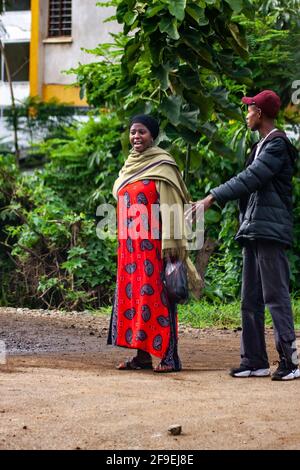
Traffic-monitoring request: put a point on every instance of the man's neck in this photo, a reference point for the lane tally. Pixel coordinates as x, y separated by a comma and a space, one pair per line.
266, 128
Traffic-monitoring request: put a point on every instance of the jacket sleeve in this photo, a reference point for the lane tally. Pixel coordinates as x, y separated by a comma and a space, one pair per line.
255, 176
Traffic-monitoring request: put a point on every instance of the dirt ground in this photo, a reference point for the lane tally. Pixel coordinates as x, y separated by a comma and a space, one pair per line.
60, 390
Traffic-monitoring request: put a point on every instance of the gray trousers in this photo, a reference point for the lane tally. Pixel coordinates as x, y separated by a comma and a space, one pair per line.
265, 282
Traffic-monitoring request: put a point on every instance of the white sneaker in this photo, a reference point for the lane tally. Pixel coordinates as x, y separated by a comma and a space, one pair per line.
244, 371
286, 374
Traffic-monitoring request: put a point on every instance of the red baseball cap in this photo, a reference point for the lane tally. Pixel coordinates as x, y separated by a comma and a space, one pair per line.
267, 100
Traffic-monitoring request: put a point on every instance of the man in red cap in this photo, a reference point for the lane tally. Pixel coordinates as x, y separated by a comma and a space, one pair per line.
264, 191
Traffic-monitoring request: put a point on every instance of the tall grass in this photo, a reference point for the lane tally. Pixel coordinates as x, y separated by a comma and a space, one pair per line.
202, 314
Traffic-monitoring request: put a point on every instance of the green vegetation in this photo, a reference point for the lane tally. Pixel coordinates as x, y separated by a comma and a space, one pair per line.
222, 315
52, 255
188, 62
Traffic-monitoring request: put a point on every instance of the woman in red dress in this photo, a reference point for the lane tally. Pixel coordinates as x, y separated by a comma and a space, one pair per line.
143, 317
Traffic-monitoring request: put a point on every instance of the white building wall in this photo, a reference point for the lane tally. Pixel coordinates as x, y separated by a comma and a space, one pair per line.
21, 92
17, 25
88, 30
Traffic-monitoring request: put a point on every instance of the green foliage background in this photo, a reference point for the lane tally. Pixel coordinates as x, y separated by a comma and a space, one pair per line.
187, 62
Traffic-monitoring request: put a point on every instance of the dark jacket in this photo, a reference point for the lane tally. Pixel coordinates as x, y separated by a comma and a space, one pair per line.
264, 190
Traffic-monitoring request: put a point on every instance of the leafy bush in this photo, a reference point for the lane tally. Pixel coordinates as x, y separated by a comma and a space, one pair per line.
83, 166
49, 221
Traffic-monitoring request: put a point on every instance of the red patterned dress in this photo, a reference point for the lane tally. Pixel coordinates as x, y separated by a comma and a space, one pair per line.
142, 316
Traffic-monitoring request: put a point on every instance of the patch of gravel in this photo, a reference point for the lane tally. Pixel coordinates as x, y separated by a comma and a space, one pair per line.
36, 331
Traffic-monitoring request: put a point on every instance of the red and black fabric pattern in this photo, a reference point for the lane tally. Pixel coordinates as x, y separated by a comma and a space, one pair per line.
142, 310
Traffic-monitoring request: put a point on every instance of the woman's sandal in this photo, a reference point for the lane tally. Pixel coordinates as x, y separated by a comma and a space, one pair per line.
133, 364
163, 368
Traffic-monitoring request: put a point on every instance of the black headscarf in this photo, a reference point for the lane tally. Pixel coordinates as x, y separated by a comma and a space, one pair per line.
148, 121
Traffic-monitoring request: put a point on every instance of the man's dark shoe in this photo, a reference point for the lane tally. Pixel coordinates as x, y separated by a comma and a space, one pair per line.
285, 372
244, 371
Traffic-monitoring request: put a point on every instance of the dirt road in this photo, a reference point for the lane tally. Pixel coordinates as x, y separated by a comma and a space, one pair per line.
59, 390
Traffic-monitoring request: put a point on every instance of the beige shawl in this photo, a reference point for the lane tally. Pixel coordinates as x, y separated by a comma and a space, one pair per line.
153, 163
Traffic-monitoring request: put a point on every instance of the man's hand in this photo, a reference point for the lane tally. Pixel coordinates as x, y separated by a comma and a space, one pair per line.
206, 202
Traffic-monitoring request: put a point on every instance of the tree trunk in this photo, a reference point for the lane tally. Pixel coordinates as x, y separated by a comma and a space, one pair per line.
203, 256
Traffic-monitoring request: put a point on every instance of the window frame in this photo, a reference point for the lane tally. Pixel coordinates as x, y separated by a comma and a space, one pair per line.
62, 15
3, 78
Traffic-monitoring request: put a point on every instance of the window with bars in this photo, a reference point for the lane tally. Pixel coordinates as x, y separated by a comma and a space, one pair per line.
60, 18
15, 5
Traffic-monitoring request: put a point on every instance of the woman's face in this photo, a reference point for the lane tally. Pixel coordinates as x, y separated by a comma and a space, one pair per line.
140, 137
